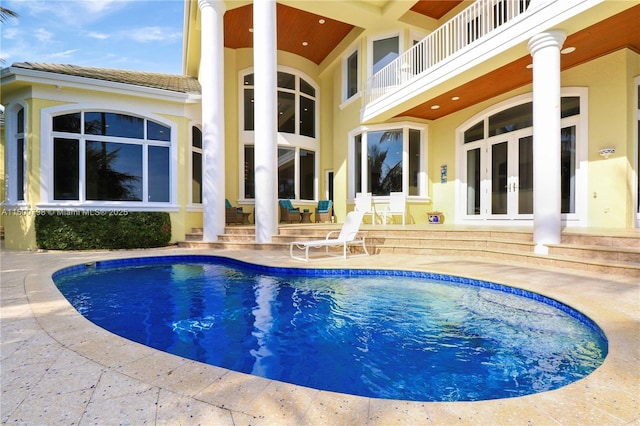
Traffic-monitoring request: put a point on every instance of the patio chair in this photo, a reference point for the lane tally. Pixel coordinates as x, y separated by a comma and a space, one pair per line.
232, 214
349, 235
397, 206
365, 206
287, 212
323, 211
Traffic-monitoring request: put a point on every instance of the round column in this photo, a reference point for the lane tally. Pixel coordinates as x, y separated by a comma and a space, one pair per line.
212, 82
266, 114
547, 221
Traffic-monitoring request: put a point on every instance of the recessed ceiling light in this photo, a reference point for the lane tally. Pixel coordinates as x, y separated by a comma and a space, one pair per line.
435, 106
568, 50
250, 30
322, 21
530, 66
304, 43
455, 98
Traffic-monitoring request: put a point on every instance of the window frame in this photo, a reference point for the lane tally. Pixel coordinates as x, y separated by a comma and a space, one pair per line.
405, 126
372, 39
346, 99
12, 193
294, 141
193, 149
580, 121
47, 167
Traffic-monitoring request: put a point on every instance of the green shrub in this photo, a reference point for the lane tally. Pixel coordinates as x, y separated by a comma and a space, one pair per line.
92, 230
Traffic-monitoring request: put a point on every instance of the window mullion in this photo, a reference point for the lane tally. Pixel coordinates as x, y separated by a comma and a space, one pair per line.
364, 169
145, 171
82, 173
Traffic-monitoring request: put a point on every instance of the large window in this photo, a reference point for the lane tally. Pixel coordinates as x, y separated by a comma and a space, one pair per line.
105, 156
297, 118
389, 160
289, 160
296, 104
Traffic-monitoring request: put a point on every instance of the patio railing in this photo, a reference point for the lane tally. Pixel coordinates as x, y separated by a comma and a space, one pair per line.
464, 29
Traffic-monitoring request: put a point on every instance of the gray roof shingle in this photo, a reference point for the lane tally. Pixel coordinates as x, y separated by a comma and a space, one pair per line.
174, 83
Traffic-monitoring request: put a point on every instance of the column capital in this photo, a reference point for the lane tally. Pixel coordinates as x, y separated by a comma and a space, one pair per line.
553, 38
218, 5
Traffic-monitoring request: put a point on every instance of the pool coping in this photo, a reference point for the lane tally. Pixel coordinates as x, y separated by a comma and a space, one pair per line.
177, 390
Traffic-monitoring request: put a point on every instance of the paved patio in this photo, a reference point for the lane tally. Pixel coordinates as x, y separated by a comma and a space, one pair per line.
59, 368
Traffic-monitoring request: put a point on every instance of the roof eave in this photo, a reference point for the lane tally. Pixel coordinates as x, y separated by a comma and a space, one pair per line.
15, 74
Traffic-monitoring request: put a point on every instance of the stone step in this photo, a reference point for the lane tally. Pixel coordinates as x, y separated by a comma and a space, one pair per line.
606, 253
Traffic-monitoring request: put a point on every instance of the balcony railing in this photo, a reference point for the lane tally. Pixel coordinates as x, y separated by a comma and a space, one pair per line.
464, 29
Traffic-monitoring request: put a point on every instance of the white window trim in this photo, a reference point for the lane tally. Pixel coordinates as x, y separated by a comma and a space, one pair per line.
46, 163
193, 207
636, 131
372, 39
405, 126
346, 100
579, 218
297, 141
11, 167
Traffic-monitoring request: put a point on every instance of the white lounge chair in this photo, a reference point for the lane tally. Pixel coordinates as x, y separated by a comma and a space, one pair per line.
397, 206
350, 234
364, 205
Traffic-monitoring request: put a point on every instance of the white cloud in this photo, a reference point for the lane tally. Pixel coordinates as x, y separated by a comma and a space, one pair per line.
42, 35
72, 13
65, 54
10, 33
150, 34
99, 36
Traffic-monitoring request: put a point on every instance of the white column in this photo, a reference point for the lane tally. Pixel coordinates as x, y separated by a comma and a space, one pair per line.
547, 221
266, 115
212, 82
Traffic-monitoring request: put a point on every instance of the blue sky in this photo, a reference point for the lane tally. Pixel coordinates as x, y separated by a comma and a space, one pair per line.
142, 35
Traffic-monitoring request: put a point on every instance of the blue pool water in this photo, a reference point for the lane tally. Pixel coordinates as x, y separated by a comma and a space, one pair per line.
383, 334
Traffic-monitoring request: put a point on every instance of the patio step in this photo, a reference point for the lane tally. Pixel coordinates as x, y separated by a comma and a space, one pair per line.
613, 254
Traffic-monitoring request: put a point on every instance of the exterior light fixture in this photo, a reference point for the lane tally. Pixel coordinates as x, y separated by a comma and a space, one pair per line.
569, 49
435, 106
455, 98
321, 21
304, 43
606, 152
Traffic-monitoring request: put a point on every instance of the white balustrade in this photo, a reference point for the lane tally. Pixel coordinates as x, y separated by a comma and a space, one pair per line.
461, 31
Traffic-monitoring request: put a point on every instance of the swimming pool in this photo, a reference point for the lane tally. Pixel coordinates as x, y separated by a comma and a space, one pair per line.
384, 334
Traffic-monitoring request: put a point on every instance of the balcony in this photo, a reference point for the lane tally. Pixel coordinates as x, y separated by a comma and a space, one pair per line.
451, 39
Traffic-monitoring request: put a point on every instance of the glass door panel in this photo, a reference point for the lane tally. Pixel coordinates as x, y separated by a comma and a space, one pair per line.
499, 178
473, 181
568, 169
525, 175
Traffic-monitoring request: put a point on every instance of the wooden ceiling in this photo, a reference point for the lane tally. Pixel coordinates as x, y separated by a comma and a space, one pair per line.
435, 9
297, 27
615, 33
302, 33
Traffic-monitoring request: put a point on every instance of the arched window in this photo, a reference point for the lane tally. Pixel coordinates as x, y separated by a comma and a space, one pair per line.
101, 156
497, 160
298, 130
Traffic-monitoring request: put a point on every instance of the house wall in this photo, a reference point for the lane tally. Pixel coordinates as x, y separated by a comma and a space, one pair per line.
19, 227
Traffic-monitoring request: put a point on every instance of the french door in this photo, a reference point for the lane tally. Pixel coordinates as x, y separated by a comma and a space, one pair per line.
499, 177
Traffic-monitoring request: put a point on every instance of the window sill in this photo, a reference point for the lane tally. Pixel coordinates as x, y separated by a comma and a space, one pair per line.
106, 206
351, 100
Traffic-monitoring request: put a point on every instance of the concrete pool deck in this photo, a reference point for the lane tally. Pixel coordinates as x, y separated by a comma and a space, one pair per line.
59, 368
